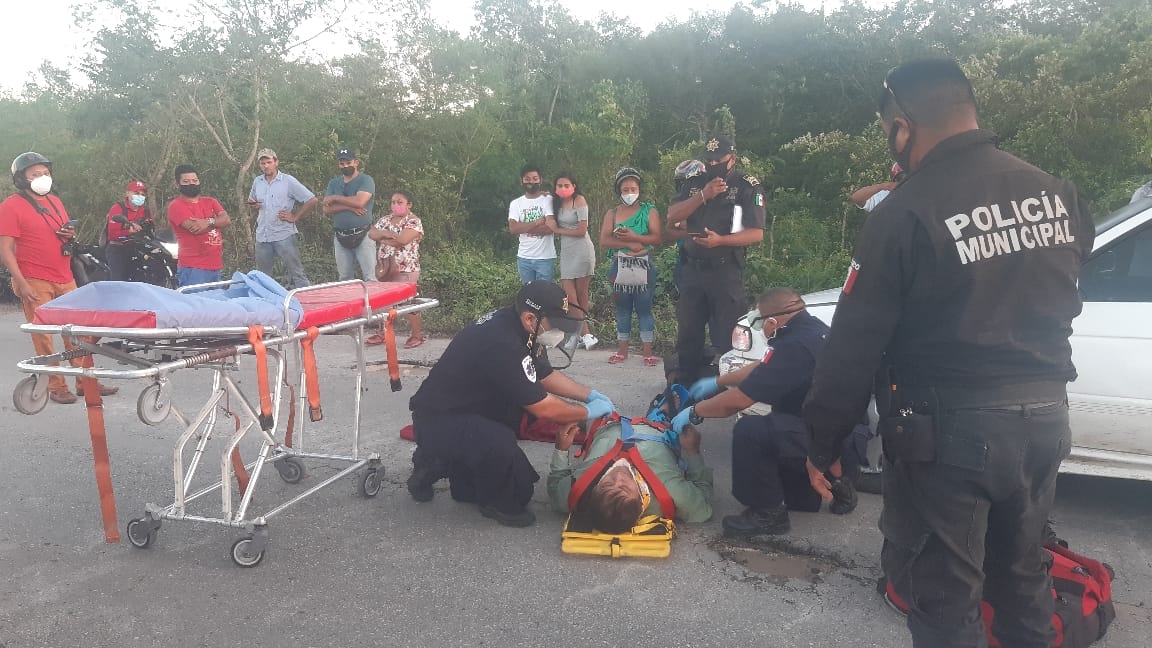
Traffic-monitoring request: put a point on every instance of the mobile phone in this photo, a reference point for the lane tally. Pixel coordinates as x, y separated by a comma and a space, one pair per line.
697, 234
70, 224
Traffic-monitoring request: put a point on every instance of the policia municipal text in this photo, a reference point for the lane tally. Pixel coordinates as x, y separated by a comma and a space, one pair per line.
972, 358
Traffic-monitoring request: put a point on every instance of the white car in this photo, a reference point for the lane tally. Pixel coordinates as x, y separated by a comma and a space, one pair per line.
1111, 401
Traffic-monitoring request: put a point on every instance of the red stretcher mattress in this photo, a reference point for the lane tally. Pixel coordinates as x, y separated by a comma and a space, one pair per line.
330, 305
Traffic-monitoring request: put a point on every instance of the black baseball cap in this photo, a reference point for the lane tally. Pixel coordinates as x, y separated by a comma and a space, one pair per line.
546, 299
717, 146
345, 154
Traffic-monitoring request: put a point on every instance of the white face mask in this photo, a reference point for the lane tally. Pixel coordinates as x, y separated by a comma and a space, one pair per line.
551, 338
42, 185
628, 199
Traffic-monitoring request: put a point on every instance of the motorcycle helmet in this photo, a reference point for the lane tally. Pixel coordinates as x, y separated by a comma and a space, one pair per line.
22, 163
624, 174
687, 170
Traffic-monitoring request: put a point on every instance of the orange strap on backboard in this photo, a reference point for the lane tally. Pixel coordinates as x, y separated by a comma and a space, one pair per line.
256, 339
311, 375
238, 463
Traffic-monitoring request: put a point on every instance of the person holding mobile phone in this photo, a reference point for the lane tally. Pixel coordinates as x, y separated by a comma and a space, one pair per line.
134, 207
726, 213
35, 230
629, 232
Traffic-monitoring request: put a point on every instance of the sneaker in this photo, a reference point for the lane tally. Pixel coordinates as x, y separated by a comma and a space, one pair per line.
62, 396
521, 518
754, 522
105, 390
589, 341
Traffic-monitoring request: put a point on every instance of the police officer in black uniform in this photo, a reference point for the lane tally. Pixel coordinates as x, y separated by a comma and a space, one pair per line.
962, 292
723, 217
769, 452
466, 413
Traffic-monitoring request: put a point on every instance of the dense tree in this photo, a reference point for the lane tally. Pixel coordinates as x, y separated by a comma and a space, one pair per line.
452, 117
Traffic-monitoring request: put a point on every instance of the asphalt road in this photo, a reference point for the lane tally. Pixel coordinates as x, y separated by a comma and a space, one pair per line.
343, 570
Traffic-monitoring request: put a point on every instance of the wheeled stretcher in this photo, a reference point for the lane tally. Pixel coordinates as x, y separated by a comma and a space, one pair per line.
156, 354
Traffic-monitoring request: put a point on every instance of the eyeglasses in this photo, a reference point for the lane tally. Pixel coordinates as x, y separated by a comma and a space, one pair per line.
895, 99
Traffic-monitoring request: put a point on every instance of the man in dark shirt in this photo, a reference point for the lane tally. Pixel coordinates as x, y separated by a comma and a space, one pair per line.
768, 452
724, 216
962, 292
466, 413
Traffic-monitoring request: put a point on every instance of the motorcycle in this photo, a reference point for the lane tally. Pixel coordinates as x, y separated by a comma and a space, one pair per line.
154, 256
87, 263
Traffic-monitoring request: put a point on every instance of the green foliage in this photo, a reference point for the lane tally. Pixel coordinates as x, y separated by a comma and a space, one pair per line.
452, 117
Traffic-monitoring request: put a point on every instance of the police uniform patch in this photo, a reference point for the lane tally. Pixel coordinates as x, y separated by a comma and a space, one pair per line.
752, 180
529, 368
693, 191
733, 192
853, 270
713, 144
485, 317
759, 199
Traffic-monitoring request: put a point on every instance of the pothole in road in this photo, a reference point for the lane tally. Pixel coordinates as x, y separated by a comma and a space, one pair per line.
780, 559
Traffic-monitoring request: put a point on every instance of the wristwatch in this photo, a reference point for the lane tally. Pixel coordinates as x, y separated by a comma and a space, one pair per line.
211, 221
693, 417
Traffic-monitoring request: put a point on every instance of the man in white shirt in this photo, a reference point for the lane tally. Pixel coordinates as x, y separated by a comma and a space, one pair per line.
536, 256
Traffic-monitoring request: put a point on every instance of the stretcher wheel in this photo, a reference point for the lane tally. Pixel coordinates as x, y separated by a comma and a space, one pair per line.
142, 532
369, 485
31, 394
154, 405
242, 555
291, 470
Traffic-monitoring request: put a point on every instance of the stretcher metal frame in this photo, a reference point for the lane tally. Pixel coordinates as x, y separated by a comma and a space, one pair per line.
157, 353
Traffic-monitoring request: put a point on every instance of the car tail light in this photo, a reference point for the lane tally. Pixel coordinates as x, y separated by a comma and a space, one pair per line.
742, 338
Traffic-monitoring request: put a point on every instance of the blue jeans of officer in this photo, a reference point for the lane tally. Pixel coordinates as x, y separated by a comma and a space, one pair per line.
971, 524
362, 256
640, 302
289, 254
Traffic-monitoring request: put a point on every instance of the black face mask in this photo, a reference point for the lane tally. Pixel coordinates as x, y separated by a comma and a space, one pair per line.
531, 187
348, 171
903, 158
718, 170
191, 191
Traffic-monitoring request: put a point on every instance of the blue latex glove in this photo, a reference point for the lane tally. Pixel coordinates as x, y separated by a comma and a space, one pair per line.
679, 421
704, 389
597, 396
599, 408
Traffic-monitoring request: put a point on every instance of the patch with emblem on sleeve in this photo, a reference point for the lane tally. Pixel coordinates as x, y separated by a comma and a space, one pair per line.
759, 199
529, 368
853, 270
733, 192
752, 180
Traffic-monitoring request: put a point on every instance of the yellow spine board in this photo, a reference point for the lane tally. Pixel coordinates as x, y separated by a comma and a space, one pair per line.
650, 538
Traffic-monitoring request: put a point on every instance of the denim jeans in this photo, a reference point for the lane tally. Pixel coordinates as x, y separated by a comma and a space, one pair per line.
640, 302
193, 276
364, 255
534, 269
267, 251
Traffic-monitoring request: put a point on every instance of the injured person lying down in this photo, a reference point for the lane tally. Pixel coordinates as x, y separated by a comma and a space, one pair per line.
636, 467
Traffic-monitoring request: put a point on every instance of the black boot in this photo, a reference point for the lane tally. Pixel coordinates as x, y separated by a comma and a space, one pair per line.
754, 522
521, 518
424, 474
844, 497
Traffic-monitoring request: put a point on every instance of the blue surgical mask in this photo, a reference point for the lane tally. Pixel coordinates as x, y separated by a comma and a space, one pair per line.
137, 200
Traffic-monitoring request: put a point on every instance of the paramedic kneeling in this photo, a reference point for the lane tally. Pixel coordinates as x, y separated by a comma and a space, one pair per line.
621, 496
466, 413
769, 452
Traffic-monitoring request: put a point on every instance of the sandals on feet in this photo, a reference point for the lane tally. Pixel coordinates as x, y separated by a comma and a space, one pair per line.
617, 358
414, 342
374, 340
651, 361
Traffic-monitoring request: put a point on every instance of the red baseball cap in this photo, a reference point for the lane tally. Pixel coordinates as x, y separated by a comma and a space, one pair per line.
136, 186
